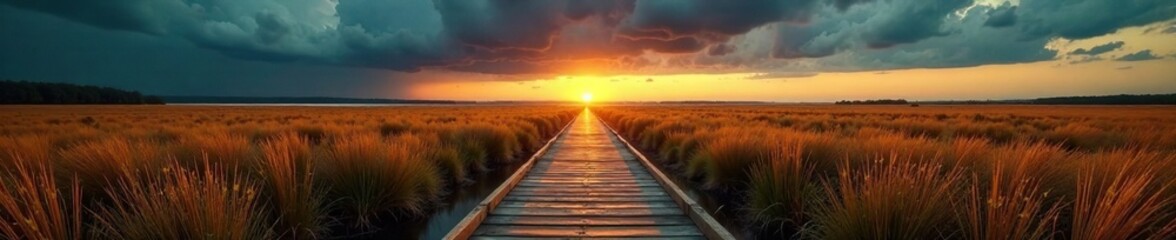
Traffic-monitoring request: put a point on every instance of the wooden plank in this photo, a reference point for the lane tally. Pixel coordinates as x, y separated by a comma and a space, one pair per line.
587, 174
591, 178
588, 190
632, 204
707, 224
602, 238
589, 221
587, 199
590, 181
588, 231
570, 185
587, 194
587, 212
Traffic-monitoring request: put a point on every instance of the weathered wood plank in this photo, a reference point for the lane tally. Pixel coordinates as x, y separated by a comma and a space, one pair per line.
585, 194
633, 204
586, 199
588, 231
586, 189
585, 212
588, 221
591, 181
600, 238
578, 184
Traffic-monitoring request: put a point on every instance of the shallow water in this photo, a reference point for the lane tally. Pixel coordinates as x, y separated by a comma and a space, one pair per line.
453, 208
729, 216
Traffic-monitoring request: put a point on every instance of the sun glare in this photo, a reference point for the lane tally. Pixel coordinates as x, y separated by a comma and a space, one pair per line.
587, 97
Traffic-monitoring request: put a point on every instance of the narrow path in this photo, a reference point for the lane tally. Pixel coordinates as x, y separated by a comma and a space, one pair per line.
588, 185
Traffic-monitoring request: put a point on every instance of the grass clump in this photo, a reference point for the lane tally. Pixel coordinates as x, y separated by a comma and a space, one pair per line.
371, 176
1126, 200
287, 172
891, 198
725, 161
779, 189
36, 207
183, 204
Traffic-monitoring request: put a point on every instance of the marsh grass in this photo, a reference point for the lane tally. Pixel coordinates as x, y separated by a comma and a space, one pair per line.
298, 202
35, 206
779, 189
101, 164
371, 176
1125, 200
892, 198
180, 203
1013, 206
725, 161
1008, 172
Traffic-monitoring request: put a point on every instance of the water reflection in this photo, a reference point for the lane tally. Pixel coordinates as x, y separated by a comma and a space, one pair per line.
452, 210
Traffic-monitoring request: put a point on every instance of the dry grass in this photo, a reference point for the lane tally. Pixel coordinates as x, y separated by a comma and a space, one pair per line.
35, 207
371, 176
188, 172
1123, 201
892, 198
780, 188
1000, 172
181, 204
287, 169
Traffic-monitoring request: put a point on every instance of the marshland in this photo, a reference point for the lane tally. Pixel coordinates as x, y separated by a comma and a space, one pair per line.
176, 172
767, 171
931, 172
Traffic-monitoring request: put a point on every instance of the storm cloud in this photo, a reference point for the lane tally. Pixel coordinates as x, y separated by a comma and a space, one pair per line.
618, 36
1100, 49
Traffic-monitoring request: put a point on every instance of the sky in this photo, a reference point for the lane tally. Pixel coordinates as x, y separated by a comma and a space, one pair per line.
623, 50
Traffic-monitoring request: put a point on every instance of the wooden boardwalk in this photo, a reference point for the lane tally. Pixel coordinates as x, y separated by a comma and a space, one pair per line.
587, 183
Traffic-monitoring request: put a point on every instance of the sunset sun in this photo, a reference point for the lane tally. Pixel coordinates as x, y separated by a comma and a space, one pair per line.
586, 97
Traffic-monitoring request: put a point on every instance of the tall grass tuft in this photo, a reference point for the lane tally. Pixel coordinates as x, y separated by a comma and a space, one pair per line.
35, 207
725, 161
892, 198
779, 188
1012, 206
499, 143
371, 177
224, 149
183, 204
99, 164
1125, 200
287, 169
32, 148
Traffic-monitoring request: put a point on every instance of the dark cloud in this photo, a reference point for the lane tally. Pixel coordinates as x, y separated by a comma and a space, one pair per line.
649, 80
780, 75
910, 21
1100, 49
720, 49
1139, 56
1003, 16
615, 36
665, 18
1078, 19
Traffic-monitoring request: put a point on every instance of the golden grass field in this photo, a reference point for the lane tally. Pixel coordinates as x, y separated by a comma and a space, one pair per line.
177, 172
797, 171
931, 172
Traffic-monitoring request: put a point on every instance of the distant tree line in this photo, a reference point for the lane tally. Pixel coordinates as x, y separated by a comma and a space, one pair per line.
1123, 99
873, 102
24, 92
